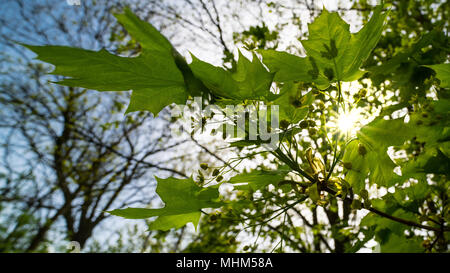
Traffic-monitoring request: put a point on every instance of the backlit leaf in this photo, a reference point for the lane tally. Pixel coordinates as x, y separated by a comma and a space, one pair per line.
183, 201
333, 53
442, 73
250, 81
153, 76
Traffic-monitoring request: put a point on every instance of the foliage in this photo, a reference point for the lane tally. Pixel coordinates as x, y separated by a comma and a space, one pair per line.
350, 169
183, 200
333, 53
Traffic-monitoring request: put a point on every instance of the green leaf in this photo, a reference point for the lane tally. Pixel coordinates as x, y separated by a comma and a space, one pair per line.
333, 53
194, 86
183, 201
313, 193
432, 160
442, 73
288, 67
399, 244
148, 37
360, 166
258, 179
292, 105
253, 78
417, 192
217, 79
361, 45
329, 37
377, 136
151, 40
175, 221
387, 231
153, 76
334, 48
250, 81
431, 126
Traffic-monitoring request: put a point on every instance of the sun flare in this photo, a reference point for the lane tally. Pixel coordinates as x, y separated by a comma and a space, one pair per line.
349, 122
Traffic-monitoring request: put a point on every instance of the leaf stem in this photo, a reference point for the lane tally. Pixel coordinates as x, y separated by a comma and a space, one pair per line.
281, 156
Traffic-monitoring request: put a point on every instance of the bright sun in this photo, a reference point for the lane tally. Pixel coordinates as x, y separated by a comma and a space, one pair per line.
347, 122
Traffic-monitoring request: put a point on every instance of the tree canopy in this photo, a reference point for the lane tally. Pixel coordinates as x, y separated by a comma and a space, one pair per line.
362, 150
